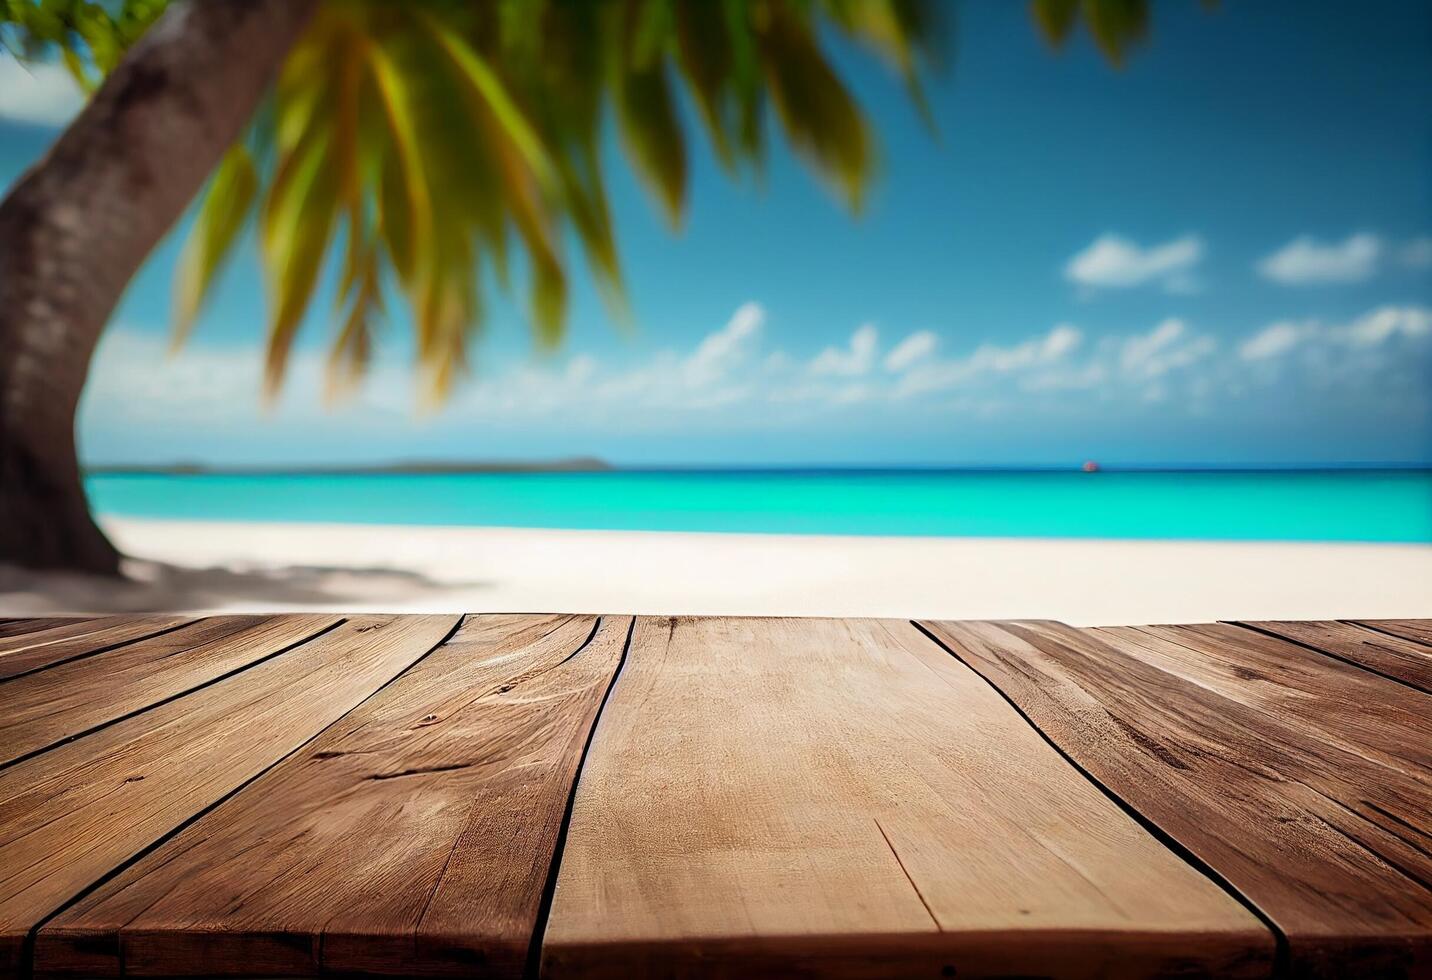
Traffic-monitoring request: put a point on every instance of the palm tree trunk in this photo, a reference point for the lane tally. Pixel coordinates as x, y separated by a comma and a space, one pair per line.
76, 228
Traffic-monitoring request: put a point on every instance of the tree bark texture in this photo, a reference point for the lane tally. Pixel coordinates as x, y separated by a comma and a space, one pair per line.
78, 225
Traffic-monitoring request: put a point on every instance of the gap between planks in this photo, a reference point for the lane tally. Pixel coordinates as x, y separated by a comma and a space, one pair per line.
34, 694
1280, 959
78, 639
89, 870
483, 745
554, 870
533, 965
1401, 659
1287, 832
720, 827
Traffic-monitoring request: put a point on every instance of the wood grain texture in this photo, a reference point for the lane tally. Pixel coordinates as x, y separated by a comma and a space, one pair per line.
415, 836
1417, 630
50, 706
843, 798
1345, 705
1329, 842
16, 633
36, 650
74, 814
1391, 655
16, 627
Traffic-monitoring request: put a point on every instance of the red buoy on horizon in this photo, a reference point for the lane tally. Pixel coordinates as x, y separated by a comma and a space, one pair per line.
1090, 466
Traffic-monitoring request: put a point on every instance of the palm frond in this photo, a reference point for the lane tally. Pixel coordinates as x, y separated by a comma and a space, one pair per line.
434, 140
652, 133
819, 116
427, 143
1115, 25
225, 209
89, 36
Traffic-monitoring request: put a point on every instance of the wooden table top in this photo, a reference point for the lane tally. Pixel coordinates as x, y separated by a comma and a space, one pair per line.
509, 795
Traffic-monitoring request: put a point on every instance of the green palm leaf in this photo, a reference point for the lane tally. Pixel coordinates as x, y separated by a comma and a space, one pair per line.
226, 207
428, 137
1115, 25
298, 224
652, 134
439, 141
1055, 18
818, 114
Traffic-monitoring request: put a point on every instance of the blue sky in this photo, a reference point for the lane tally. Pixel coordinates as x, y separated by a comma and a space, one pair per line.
1221, 254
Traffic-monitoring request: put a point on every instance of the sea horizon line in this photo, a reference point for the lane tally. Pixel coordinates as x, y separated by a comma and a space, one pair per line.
592, 465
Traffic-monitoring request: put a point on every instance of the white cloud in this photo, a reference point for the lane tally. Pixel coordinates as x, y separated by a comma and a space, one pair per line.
1112, 262
1090, 374
852, 394
136, 379
717, 351
1306, 261
988, 360
581, 369
914, 348
724, 369
1417, 254
851, 361
1382, 324
731, 379
776, 361
1059, 341
1168, 347
1140, 350
134, 382
1273, 340
1371, 331
1140, 363
43, 94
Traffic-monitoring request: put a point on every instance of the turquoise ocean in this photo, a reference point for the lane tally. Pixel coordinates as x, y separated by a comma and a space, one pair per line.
1348, 505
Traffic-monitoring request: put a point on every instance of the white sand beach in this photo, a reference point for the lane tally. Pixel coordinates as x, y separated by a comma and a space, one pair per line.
212, 566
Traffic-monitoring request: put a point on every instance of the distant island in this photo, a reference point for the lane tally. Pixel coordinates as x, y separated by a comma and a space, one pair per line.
573, 464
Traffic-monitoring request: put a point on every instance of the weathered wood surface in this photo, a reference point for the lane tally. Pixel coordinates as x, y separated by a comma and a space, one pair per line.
13, 627
48, 706
1419, 630
407, 796
55, 642
414, 836
26, 632
841, 796
1329, 841
1342, 704
71, 816
1405, 657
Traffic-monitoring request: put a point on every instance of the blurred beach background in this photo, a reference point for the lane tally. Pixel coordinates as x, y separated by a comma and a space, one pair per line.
1110, 340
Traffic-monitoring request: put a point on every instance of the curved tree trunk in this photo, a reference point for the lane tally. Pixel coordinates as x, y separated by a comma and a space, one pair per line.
76, 228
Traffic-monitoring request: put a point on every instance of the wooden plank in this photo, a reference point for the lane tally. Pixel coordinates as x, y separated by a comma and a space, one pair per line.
17, 627
55, 644
50, 706
34, 632
1326, 842
1417, 630
1392, 656
1366, 714
415, 836
72, 815
843, 798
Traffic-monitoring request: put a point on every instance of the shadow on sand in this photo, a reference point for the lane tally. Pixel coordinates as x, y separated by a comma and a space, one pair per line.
150, 586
